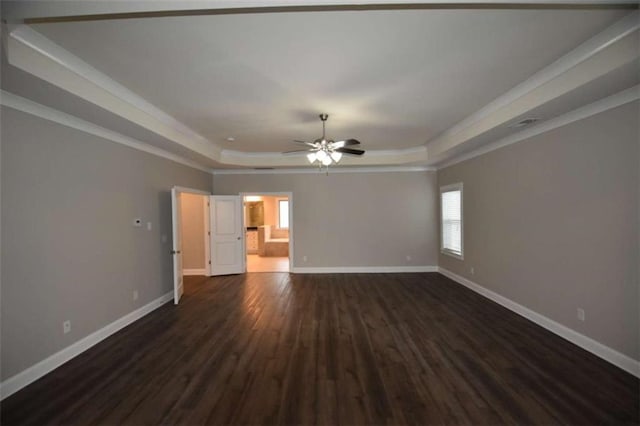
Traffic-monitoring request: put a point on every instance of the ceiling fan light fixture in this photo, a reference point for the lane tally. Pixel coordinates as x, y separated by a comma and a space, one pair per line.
327, 151
312, 157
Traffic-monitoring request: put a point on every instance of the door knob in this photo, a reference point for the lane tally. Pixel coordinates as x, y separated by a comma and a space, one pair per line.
239, 238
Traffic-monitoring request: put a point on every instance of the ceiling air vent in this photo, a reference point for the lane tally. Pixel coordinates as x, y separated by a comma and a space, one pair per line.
523, 123
263, 168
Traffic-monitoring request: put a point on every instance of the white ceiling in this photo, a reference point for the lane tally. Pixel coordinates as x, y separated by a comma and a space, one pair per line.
394, 79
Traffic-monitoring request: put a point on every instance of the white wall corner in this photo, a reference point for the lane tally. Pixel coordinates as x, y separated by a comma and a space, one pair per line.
616, 358
35, 372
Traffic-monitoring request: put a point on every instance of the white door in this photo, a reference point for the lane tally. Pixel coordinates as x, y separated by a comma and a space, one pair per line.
226, 234
178, 285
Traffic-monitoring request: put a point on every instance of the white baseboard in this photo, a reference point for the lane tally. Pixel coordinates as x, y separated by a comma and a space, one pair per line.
608, 354
33, 373
194, 272
362, 269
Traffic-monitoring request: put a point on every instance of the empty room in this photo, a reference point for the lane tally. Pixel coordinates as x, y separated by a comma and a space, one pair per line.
298, 212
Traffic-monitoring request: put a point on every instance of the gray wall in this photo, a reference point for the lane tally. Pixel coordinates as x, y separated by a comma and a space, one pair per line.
552, 223
192, 208
354, 219
69, 250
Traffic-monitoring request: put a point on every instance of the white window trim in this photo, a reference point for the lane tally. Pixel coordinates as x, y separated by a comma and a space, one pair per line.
447, 188
278, 207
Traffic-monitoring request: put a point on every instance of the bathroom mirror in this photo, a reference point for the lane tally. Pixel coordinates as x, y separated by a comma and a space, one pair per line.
255, 214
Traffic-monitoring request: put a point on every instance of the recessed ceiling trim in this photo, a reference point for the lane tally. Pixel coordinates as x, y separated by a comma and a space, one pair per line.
472, 125
376, 152
27, 106
621, 98
34, 53
38, 55
334, 170
416, 155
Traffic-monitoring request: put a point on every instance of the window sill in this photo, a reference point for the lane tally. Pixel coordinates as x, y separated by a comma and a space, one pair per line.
452, 254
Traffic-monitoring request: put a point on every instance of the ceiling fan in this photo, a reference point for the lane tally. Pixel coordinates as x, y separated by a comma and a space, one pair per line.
326, 151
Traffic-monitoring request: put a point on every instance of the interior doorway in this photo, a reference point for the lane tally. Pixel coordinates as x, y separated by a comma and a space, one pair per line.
177, 195
194, 224
268, 231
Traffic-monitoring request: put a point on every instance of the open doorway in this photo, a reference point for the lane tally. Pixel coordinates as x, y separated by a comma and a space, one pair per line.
194, 226
177, 222
268, 227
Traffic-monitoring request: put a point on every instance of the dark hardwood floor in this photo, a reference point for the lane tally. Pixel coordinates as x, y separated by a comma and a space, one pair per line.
275, 348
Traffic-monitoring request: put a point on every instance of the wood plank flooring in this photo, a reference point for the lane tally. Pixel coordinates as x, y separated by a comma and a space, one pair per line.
275, 348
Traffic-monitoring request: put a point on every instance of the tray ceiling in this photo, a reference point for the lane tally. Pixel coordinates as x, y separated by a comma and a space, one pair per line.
395, 79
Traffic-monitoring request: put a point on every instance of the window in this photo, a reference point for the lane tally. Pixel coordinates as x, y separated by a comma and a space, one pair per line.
451, 220
283, 214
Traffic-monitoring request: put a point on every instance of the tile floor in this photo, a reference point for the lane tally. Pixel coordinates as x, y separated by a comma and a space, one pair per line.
256, 263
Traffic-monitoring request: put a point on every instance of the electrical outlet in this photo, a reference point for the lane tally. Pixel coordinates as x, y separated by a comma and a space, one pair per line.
149, 226
472, 270
66, 326
581, 314
304, 258
408, 258
135, 294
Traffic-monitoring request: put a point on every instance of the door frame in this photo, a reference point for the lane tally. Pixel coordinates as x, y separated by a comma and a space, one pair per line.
289, 196
207, 236
207, 231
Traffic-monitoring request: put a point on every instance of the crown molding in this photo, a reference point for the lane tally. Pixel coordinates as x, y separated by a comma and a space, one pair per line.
34, 53
27, 106
316, 170
621, 98
416, 150
597, 56
251, 154
19, 103
375, 153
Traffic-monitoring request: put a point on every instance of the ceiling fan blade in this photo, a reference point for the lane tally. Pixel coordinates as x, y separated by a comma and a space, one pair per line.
306, 143
297, 150
350, 151
348, 142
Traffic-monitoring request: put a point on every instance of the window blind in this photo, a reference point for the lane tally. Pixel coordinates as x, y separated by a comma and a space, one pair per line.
452, 221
